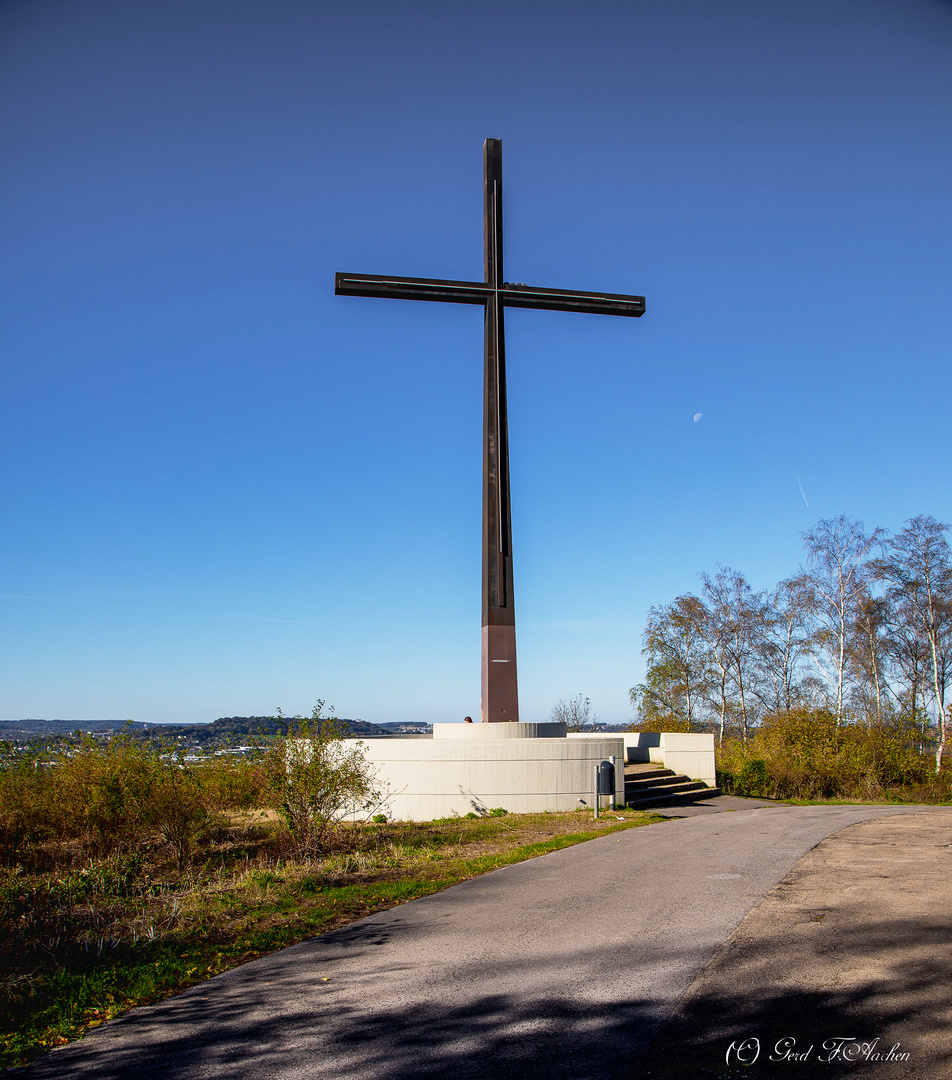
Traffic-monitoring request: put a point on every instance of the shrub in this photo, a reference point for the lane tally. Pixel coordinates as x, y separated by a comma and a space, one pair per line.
24, 814
754, 779
316, 780
82, 799
666, 722
234, 782
101, 798
805, 754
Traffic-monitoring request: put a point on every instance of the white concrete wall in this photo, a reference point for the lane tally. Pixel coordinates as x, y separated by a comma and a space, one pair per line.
691, 754
468, 732
680, 751
469, 769
640, 744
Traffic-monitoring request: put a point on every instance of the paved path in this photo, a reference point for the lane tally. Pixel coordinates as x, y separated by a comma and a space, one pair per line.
562, 967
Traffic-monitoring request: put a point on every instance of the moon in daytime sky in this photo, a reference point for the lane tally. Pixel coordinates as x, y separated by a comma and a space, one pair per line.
697, 416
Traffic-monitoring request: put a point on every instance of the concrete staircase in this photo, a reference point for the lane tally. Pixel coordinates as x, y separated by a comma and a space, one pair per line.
654, 785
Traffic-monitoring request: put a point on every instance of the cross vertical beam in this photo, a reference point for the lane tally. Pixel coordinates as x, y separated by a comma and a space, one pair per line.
499, 694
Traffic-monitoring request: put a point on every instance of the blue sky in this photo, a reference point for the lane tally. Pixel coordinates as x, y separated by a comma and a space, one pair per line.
224, 489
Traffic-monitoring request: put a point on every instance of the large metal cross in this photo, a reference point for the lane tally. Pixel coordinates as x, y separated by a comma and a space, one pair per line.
499, 695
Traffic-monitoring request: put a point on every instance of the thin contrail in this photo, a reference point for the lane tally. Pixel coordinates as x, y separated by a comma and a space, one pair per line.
802, 492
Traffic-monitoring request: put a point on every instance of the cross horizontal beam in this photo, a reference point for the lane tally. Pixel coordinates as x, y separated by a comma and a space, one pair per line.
478, 292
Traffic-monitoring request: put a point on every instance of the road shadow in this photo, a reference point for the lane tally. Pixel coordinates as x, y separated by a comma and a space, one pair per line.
496, 1037
737, 1022
278, 1018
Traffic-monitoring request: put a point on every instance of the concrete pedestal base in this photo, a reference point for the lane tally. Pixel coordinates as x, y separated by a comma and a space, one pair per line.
474, 768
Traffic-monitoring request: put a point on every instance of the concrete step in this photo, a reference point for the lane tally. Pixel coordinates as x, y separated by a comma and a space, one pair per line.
645, 801
667, 790
645, 772
650, 785
660, 781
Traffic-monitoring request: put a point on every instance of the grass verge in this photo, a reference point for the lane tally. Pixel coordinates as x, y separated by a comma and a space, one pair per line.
82, 947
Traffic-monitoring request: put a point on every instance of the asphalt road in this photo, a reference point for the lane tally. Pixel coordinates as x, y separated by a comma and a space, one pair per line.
562, 967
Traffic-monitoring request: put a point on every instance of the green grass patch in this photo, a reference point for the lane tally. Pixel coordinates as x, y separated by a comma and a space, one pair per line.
885, 801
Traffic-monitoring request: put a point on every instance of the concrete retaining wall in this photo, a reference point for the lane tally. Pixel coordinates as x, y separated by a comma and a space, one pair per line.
474, 768
680, 751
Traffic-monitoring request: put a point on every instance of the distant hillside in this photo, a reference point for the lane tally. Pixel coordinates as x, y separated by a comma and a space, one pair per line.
225, 731
234, 730
11, 730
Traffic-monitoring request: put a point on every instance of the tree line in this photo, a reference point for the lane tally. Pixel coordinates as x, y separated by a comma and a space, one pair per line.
862, 631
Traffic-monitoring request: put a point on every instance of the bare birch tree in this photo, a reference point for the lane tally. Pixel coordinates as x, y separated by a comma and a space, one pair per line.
677, 664
869, 659
783, 644
838, 566
917, 568
736, 623
908, 662
575, 712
